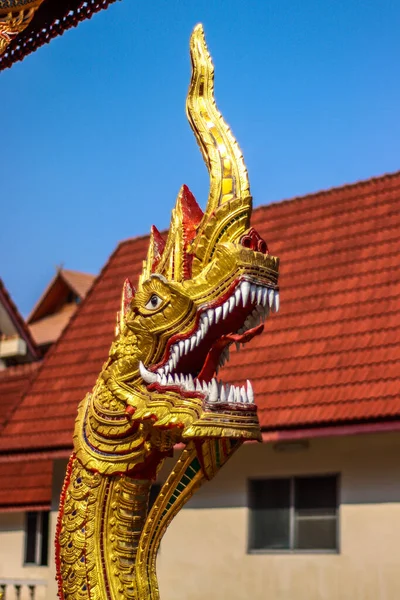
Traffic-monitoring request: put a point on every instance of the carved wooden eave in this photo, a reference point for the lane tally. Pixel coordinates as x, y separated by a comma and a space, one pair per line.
25, 25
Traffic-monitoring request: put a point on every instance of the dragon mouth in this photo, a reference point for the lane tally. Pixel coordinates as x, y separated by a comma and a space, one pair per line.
194, 360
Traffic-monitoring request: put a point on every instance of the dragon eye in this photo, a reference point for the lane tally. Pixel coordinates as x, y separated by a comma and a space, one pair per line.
154, 302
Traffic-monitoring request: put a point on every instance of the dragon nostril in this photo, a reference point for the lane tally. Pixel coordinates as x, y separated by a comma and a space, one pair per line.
262, 247
253, 240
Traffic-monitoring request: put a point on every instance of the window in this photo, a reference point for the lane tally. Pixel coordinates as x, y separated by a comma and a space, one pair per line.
297, 513
37, 538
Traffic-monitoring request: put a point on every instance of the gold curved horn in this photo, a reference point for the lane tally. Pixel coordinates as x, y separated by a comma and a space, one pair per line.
221, 152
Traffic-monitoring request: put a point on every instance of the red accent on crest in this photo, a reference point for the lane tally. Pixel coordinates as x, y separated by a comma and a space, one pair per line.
253, 240
159, 245
128, 292
191, 217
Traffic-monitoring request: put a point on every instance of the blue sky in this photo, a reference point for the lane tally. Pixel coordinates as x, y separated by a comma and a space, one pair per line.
95, 141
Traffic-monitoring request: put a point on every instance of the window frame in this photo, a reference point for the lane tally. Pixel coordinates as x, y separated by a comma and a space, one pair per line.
292, 516
40, 516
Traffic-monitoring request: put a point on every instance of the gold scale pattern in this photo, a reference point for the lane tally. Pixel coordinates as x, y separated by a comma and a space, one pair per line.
107, 541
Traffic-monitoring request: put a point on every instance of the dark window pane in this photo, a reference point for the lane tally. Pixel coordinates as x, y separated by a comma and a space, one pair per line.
45, 539
270, 514
315, 496
30, 537
315, 534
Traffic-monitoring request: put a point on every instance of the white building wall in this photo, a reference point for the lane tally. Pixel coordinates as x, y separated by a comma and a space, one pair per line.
204, 552
12, 568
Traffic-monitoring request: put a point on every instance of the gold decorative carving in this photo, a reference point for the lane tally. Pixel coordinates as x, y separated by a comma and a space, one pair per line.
13, 21
209, 285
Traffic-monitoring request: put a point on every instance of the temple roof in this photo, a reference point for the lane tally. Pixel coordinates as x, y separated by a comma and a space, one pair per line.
14, 383
332, 354
52, 18
57, 304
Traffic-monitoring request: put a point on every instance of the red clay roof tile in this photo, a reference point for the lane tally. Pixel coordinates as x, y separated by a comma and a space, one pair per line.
331, 356
26, 484
14, 383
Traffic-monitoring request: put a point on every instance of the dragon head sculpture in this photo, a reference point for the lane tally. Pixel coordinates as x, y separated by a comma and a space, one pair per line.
210, 284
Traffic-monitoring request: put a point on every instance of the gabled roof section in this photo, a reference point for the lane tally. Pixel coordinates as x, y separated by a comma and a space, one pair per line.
12, 323
64, 281
57, 304
79, 282
332, 354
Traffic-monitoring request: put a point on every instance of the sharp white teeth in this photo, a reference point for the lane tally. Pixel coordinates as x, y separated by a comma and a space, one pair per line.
250, 393
231, 397
259, 295
198, 386
205, 323
223, 395
225, 309
170, 380
265, 296
232, 303
218, 313
163, 380
237, 395
213, 396
210, 315
174, 360
176, 379
245, 290
148, 376
193, 341
167, 368
190, 383
160, 371
187, 345
205, 387
199, 336
176, 350
243, 395
271, 295
253, 292
181, 347
238, 295
276, 302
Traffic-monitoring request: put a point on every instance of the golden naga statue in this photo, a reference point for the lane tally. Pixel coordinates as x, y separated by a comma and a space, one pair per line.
210, 284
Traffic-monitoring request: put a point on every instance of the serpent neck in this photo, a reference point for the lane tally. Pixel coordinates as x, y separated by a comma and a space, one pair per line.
100, 524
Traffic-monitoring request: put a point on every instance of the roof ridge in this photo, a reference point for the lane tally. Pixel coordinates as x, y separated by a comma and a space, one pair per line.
310, 195
334, 189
